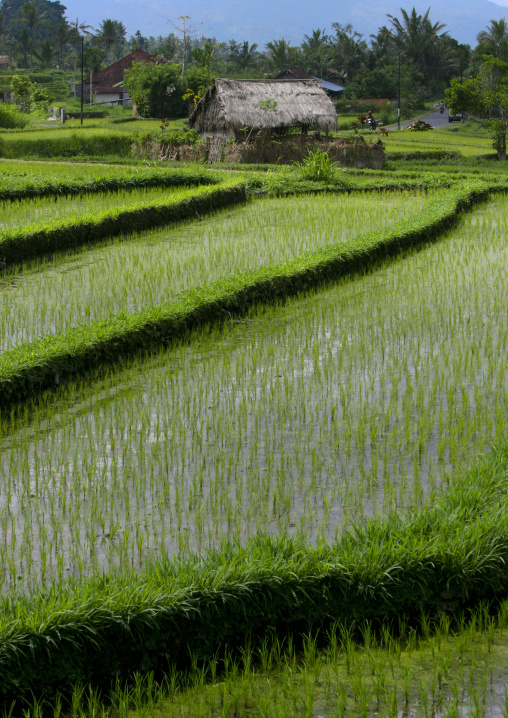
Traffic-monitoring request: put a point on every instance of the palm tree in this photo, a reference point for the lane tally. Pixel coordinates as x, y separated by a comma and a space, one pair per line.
23, 45
382, 47
31, 17
415, 36
349, 50
46, 52
279, 52
64, 35
494, 40
317, 51
110, 33
247, 55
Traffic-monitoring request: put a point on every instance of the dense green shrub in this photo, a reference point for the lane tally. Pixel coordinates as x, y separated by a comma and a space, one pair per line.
11, 118
23, 91
156, 89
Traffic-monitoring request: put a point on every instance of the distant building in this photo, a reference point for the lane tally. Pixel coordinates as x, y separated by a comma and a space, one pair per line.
233, 108
4, 62
107, 85
294, 73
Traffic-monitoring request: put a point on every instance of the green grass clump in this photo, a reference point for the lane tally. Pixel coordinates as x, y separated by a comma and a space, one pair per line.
10, 118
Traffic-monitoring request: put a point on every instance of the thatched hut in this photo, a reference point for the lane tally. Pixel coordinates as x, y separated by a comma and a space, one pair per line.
233, 108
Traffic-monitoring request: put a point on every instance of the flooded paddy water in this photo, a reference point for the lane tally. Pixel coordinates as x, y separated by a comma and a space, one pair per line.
453, 676
347, 403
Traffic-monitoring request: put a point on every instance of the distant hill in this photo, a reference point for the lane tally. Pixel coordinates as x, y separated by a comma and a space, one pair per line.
266, 20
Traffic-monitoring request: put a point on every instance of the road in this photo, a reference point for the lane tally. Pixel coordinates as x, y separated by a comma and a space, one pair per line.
434, 118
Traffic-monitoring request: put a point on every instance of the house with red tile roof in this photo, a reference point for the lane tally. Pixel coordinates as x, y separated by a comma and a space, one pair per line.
107, 85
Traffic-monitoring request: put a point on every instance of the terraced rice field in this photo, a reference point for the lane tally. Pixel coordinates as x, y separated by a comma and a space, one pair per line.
157, 266
437, 139
347, 403
22, 172
45, 209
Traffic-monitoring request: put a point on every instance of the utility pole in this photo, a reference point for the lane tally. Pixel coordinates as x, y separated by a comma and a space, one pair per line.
398, 101
82, 74
187, 32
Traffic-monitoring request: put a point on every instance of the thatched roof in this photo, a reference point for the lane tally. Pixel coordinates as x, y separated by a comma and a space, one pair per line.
230, 105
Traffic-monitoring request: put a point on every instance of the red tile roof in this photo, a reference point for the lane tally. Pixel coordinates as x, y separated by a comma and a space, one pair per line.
105, 80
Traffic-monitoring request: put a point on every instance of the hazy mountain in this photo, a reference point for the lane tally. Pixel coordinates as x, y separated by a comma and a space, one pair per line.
266, 20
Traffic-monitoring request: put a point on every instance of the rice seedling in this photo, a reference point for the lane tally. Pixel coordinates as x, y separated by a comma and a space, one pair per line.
154, 267
302, 418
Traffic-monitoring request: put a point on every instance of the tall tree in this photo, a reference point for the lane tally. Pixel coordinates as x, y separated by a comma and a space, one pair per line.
247, 55
64, 36
349, 50
204, 56
281, 54
317, 52
46, 52
23, 45
494, 40
382, 48
415, 36
32, 19
111, 33
138, 41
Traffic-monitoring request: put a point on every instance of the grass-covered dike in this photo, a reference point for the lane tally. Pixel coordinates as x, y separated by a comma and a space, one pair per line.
444, 558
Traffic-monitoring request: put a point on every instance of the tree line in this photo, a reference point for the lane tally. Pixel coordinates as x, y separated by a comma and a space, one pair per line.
37, 34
